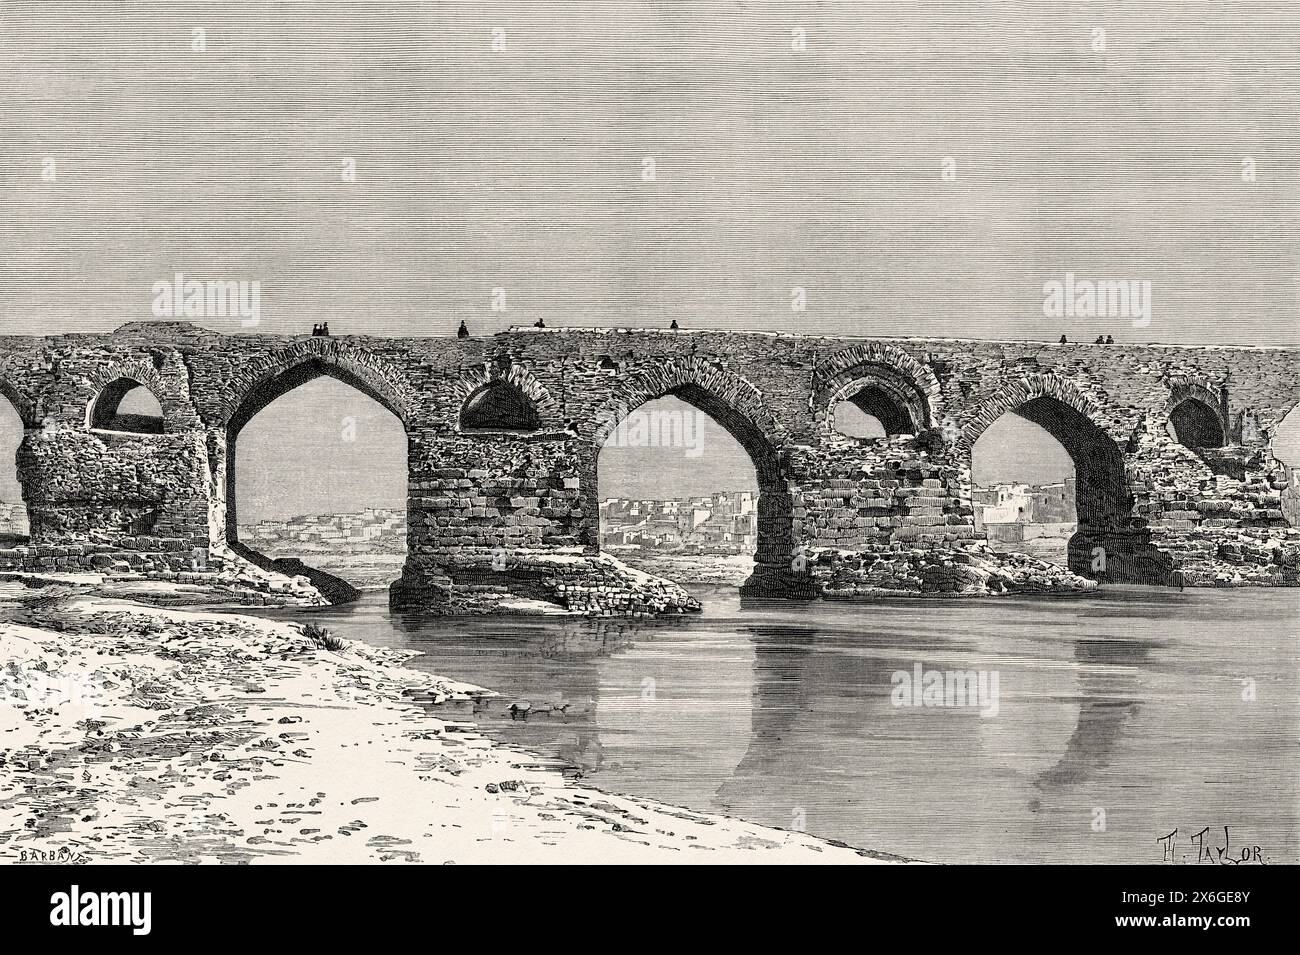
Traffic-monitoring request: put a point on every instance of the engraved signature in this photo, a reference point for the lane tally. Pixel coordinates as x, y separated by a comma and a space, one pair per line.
1207, 849
60, 856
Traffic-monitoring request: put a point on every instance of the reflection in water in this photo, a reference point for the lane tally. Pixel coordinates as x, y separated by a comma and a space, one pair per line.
1124, 702
781, 689
1107, 698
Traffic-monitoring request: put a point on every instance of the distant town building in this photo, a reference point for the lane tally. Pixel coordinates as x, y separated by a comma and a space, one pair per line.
1053, 503
724, 522
1028, 518
1003, 504
375, 528
1025, 503
13, 520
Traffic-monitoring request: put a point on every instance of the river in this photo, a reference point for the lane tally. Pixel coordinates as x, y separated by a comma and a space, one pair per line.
1107, 721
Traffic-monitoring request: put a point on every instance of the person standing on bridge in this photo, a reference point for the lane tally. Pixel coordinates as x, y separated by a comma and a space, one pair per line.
462, 332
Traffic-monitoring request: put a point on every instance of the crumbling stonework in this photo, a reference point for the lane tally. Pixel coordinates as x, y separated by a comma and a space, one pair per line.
499, 515
590, 584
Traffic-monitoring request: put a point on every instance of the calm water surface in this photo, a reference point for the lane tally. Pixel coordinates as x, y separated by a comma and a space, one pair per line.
1121, 717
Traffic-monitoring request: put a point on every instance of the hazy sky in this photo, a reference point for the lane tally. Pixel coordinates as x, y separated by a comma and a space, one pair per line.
915, 168
354, 449
706, 459
524, 168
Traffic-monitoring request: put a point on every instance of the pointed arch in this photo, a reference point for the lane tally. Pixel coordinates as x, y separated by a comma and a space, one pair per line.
1103, 501
1195, 414
105, 410
498, 406
728, 393
521, 399
277, 375
1286, 424
1016, 394
14, 523
1282, 439
739, 408
22, 403
162, 375
263, 380
883, 381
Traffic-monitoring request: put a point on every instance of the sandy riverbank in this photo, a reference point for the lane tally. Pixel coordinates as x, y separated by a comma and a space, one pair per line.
130, 733
691, 568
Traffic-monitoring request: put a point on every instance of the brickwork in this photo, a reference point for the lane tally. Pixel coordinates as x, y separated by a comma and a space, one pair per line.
837, 516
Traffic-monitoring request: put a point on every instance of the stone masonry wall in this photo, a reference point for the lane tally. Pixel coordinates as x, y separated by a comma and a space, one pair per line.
491, 513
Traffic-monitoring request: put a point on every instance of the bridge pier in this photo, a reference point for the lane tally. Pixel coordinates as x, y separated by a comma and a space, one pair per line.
1121, 557
103, 501
503, 437
781, 582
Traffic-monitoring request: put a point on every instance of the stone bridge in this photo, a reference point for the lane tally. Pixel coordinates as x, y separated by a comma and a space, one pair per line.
1176, 484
